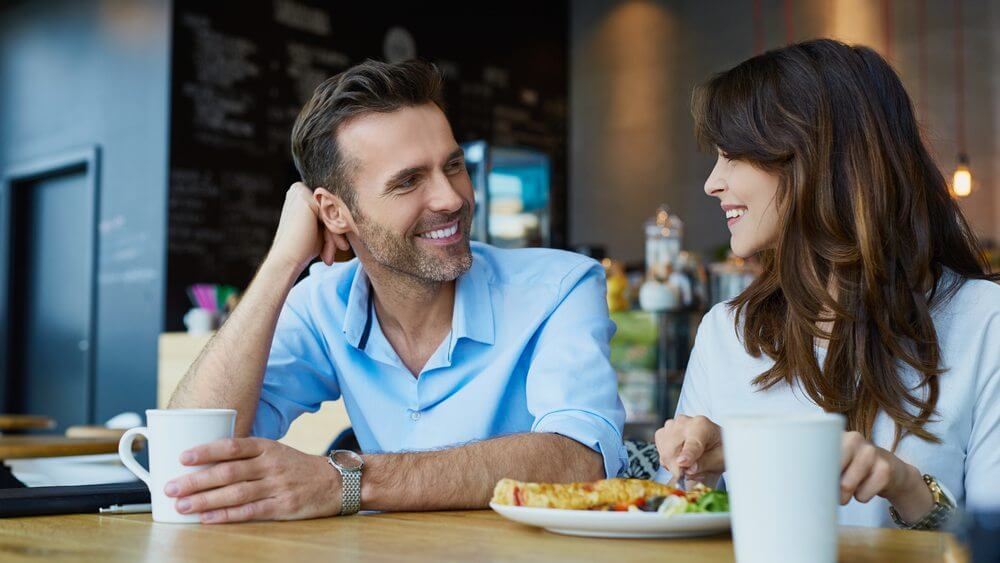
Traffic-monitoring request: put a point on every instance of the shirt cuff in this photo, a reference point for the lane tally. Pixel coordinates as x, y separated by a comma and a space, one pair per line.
267, 422
591, 430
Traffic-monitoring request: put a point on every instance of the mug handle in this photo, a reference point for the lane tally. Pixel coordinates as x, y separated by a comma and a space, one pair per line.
125, 452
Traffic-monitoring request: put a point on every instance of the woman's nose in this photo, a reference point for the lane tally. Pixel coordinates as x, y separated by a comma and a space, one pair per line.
715, 184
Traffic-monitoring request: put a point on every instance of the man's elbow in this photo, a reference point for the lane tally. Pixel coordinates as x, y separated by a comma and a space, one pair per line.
583, 463
593, 469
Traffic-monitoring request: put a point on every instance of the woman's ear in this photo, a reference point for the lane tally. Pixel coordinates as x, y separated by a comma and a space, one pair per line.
335, 216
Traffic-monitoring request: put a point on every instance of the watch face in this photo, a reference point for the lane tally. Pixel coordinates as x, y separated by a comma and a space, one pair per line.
348, 460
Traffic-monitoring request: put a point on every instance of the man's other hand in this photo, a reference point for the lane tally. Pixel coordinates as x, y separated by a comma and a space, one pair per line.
301, 236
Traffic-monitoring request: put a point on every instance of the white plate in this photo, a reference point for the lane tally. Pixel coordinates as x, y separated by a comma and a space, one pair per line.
609, 524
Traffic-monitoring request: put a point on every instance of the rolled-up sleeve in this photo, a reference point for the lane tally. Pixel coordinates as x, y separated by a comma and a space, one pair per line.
299, 374
572, 390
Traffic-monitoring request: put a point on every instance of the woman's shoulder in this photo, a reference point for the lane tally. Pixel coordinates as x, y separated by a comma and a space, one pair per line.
720, 316
984, 294
968, 329
975, 301
718, 328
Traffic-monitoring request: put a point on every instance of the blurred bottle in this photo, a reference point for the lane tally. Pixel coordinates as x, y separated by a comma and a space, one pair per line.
617, 285
663, 243
730, 278
662, 289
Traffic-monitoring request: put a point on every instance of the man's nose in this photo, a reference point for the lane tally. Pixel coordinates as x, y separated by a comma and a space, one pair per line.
443, 197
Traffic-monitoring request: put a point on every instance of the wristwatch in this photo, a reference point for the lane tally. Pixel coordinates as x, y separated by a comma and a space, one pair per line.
943, 508
349, 465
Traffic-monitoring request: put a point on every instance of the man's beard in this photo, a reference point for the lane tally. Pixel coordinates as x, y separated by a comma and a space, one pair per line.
403, 254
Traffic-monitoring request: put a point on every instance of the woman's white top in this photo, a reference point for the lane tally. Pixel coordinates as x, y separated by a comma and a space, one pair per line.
718, 383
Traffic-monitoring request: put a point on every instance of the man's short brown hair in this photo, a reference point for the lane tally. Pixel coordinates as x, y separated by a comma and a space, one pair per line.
371, 86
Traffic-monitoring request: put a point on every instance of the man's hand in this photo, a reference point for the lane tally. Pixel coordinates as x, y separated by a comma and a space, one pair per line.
301, 236
691, 448
255, 479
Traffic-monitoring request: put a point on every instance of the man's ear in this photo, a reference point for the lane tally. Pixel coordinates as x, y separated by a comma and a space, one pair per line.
333, 212
336, 218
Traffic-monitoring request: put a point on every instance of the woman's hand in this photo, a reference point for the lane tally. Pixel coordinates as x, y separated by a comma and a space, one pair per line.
868, 471
691, 448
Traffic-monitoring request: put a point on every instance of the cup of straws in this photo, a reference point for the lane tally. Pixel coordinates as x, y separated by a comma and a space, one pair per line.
212, 304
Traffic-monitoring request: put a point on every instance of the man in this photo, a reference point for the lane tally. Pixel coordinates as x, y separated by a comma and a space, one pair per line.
459, 364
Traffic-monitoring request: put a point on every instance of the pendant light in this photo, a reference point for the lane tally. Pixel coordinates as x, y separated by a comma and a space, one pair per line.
961, 181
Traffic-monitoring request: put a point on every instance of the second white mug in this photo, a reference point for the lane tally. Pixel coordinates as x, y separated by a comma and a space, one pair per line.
783, 478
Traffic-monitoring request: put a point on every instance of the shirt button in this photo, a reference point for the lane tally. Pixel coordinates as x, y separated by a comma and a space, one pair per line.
415, 416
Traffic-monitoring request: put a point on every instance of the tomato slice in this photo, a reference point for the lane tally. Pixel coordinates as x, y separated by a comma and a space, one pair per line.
623, 506
517, 497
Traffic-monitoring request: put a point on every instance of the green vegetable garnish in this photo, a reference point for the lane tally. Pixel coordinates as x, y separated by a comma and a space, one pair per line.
714, 501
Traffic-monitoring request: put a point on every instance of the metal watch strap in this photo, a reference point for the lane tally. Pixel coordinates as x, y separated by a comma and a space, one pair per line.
943, 508
350, 480
350, 501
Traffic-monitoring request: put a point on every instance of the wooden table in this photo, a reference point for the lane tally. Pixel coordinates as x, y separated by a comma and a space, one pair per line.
50, 445
10, 422
31, 446
412, 537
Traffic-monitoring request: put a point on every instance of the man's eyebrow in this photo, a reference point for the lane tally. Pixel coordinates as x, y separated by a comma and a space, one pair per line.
402, 175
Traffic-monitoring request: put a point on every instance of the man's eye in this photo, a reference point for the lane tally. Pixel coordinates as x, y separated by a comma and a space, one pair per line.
456, 166
408, 183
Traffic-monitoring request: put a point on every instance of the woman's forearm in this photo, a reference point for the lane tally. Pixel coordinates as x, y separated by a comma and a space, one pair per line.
913, 499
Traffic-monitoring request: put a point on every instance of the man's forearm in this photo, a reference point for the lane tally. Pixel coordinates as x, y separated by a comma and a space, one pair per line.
230, 370
463, 477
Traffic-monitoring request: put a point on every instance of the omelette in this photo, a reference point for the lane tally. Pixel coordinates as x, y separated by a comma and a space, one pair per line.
606, 494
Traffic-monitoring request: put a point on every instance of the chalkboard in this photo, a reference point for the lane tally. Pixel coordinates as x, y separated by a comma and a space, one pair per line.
242, 70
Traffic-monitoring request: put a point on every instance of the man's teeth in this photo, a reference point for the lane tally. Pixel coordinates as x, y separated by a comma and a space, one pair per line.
733, 213
440, 233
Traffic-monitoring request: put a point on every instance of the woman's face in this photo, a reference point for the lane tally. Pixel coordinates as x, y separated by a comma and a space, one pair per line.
747, 195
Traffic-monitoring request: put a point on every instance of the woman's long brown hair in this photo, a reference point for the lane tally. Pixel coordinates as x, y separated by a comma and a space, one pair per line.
866, 232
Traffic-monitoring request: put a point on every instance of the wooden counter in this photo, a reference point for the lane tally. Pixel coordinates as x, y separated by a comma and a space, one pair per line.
411, 537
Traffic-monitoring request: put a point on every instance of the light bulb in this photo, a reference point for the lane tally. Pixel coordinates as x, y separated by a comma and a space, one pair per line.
961, 181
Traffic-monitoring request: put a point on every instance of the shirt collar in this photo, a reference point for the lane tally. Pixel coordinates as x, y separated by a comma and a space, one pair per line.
473, 314
356, 315
472, 317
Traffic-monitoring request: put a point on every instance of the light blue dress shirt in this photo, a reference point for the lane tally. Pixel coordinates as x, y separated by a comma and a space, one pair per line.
527, 352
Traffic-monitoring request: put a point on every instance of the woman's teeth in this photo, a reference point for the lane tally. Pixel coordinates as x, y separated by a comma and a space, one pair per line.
440, 233
734, 213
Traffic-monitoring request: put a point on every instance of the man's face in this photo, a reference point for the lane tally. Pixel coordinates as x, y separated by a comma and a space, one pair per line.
414, 196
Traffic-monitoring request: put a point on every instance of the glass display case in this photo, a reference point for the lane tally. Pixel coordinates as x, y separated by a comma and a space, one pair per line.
512, 187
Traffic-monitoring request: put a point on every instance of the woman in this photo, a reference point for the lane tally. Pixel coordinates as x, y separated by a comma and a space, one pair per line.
875, 301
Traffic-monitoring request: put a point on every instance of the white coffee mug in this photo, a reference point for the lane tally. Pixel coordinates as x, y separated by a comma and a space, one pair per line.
783, 478
170, 432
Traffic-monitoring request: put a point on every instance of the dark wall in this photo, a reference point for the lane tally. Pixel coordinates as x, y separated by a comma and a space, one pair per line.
77, 74
242, 70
